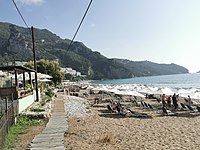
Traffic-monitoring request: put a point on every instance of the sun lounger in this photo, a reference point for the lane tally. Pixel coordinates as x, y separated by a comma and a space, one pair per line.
168, 112
145, 104
129, 113
124, 111
158, 100
141, 115
151, 107
198, 108
111, 109
183, 107
136, 103
190, 108
138, 115
142, 104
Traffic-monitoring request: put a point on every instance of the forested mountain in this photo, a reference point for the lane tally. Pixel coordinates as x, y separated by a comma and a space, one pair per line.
16, 44
147, 68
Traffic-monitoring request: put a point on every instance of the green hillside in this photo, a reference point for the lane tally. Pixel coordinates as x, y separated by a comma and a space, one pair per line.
16, 44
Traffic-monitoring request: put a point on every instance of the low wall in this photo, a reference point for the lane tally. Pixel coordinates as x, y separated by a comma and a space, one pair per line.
27, 101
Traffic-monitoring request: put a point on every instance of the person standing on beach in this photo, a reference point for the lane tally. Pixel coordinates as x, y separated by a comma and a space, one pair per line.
169, 101
174, 100
163, 100
189, 100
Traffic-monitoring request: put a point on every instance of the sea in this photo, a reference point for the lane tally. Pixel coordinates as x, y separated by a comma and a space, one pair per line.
189, 80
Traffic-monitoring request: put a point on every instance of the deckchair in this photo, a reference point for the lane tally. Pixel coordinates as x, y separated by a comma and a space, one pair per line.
190, 108
133, 101
142, 104
151, 107
198, 108
183, 106
136, 103
145, 104
122, 110
158, 100
168, 112
138, 115
110, 108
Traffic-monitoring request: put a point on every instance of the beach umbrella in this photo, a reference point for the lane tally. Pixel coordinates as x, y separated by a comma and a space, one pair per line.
183, 92
166, 91
195, 95
114, 90
45, 80
153, 89
130, 93
43, 76
90, 87
134, 93
146, 90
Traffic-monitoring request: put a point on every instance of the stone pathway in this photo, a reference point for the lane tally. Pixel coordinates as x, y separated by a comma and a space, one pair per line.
52, 137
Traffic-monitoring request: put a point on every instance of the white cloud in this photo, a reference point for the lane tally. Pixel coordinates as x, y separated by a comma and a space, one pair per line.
30, 2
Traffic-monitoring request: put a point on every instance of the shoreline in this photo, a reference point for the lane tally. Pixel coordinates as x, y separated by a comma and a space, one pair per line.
186, 81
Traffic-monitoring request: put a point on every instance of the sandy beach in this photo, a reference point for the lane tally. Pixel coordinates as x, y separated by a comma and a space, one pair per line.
99, 129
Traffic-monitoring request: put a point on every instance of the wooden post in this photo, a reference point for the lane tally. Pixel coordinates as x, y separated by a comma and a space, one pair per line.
24, 82
16, 81
35, 65
30, 80
6, 108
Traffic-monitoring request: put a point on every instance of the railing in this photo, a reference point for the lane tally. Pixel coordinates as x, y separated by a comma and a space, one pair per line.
7, 120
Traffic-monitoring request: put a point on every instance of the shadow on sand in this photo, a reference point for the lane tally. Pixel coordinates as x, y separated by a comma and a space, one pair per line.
188, 114
117, 115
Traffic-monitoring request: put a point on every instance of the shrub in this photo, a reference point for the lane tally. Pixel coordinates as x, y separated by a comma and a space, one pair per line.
50, 93
28, 86
37, 110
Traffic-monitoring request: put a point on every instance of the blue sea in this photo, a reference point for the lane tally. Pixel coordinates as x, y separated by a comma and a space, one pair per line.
190, 80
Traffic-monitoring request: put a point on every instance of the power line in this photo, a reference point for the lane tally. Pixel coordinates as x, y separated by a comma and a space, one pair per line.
20, 13
79, 25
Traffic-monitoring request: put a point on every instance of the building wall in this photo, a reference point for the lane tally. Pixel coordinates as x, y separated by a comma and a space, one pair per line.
27, 101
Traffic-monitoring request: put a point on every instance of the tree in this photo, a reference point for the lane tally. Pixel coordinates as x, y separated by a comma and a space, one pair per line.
68, 76
51, 68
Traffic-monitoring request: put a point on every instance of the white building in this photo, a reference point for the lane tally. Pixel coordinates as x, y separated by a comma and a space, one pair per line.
20, 63
70, 71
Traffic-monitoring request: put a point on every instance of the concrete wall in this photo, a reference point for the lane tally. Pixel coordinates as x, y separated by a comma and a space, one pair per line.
27, 101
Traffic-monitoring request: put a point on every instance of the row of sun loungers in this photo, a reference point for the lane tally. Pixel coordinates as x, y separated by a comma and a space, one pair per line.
182, 107
162, 111
124, 111
190, 108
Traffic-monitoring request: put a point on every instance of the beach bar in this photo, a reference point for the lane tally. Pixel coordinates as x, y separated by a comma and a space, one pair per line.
16, 94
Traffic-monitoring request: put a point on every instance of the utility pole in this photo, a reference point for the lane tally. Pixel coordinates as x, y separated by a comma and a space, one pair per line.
35, 65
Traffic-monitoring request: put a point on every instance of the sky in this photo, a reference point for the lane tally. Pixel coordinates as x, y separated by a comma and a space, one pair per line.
160, 31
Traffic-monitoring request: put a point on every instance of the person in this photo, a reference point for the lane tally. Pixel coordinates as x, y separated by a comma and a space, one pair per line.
163, 98
169, 101
174, 100
189, 100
